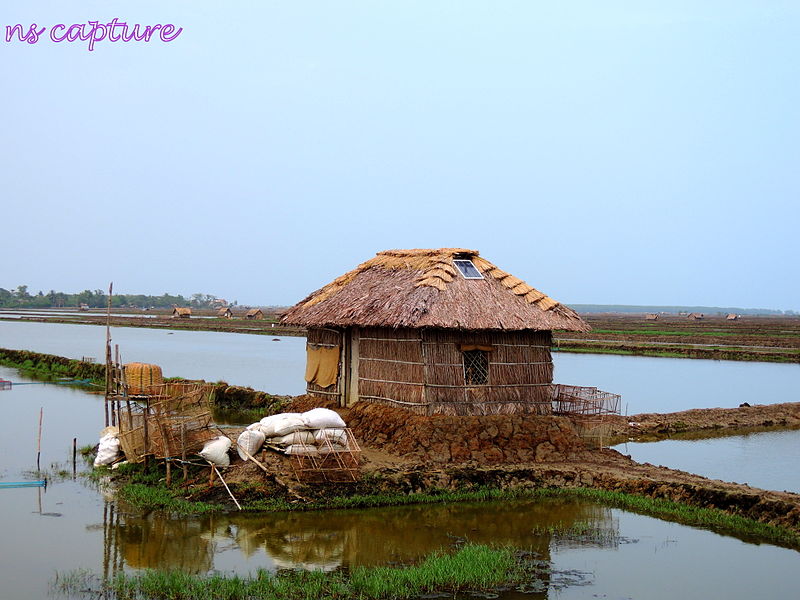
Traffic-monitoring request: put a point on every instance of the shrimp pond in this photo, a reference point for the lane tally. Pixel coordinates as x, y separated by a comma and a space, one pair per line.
593, 551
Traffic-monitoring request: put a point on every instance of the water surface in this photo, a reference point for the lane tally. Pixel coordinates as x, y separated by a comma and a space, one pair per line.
646, 384
769, 460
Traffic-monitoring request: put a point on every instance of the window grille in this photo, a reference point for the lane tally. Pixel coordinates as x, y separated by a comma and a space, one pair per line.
476, 367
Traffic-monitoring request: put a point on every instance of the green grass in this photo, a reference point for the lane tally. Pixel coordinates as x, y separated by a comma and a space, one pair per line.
472, 567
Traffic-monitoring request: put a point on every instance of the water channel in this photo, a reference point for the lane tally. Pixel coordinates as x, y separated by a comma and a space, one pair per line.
73, 524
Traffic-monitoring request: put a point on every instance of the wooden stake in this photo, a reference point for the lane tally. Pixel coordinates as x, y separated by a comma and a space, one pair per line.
183, 451
74, 456
39, 442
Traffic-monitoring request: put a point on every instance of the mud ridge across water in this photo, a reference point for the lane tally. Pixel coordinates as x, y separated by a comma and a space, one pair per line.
702, 423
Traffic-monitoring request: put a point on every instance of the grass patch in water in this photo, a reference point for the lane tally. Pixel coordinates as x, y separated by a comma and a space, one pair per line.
472, 567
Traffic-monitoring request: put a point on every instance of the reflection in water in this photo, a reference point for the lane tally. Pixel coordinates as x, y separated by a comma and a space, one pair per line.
328, 540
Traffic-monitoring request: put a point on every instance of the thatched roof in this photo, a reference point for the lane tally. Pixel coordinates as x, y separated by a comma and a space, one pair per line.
253, 312
182, 311
422, 288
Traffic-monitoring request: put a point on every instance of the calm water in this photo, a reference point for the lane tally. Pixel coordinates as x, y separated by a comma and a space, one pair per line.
250, 360
73, 525
767, 460
646, 384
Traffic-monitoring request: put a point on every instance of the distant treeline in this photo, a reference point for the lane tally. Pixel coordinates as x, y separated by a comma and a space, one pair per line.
21, 298
707, 310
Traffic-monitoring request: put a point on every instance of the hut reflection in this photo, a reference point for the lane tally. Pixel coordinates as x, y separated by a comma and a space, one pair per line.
328, 540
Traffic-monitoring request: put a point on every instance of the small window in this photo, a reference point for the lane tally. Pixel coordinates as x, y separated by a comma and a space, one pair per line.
476, 367
467, 269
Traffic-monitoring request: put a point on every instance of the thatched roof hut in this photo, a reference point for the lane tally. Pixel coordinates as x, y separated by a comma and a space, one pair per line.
181, 312
224, 313
732, 317
696, 316
254, 313
436, 331
651, 317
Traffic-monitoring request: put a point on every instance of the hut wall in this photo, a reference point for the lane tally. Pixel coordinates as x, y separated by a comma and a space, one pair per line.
423, 370
520, 373
327, 338
390, 366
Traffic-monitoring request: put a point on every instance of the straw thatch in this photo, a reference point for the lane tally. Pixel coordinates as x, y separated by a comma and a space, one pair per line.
254, 313
224, 313
182, 312
696, 316
413, 332
422, 288
651, 317
732, 317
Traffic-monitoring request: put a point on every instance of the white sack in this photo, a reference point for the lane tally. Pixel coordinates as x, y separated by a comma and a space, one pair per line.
216, 451
108, 451
302, 450
250, 441
335, 436
254, 426
331, 449
281, 424
288, 424
322, 418
296, 437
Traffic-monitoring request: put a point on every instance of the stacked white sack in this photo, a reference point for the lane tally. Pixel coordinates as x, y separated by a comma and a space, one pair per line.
335, 436
282, 424
302, 450
296, 437
250, 440
108, 450
322, 418
216, 451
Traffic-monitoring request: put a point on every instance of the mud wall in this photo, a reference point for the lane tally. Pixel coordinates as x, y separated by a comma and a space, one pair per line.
491, 439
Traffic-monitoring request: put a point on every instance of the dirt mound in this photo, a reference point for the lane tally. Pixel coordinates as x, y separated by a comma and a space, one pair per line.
721, 420
491, 439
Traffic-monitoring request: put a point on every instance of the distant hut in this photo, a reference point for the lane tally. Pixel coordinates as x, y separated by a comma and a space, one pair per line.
254, 313
181, 312
434, 331
651, 317
696, 316
732, 317
224, 313
83, 307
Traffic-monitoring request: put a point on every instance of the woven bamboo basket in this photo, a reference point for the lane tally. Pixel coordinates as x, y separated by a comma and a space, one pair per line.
142, 377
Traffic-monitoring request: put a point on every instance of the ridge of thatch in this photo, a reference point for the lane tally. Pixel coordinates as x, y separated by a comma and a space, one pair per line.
422, 288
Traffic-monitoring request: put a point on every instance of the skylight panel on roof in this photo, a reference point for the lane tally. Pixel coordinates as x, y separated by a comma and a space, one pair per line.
467, 269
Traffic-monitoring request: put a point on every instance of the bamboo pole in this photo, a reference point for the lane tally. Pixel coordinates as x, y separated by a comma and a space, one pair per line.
183, 451
239, 506
250, 456
74, 457
108, 350
39, 440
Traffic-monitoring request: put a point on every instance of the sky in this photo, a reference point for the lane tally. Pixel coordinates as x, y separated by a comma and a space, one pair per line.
605, 152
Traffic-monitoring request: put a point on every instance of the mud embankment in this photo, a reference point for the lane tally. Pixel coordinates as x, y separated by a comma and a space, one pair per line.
700, 423
48, 366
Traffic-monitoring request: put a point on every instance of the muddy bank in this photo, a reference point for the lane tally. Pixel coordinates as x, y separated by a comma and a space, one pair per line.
706, 422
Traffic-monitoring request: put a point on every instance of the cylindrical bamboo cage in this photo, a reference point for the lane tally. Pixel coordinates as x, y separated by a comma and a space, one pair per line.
142, 377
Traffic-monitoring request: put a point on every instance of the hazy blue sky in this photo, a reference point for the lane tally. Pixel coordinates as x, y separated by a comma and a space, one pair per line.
606, 152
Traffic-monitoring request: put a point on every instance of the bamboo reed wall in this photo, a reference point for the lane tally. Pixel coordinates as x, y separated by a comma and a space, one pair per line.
423, 370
